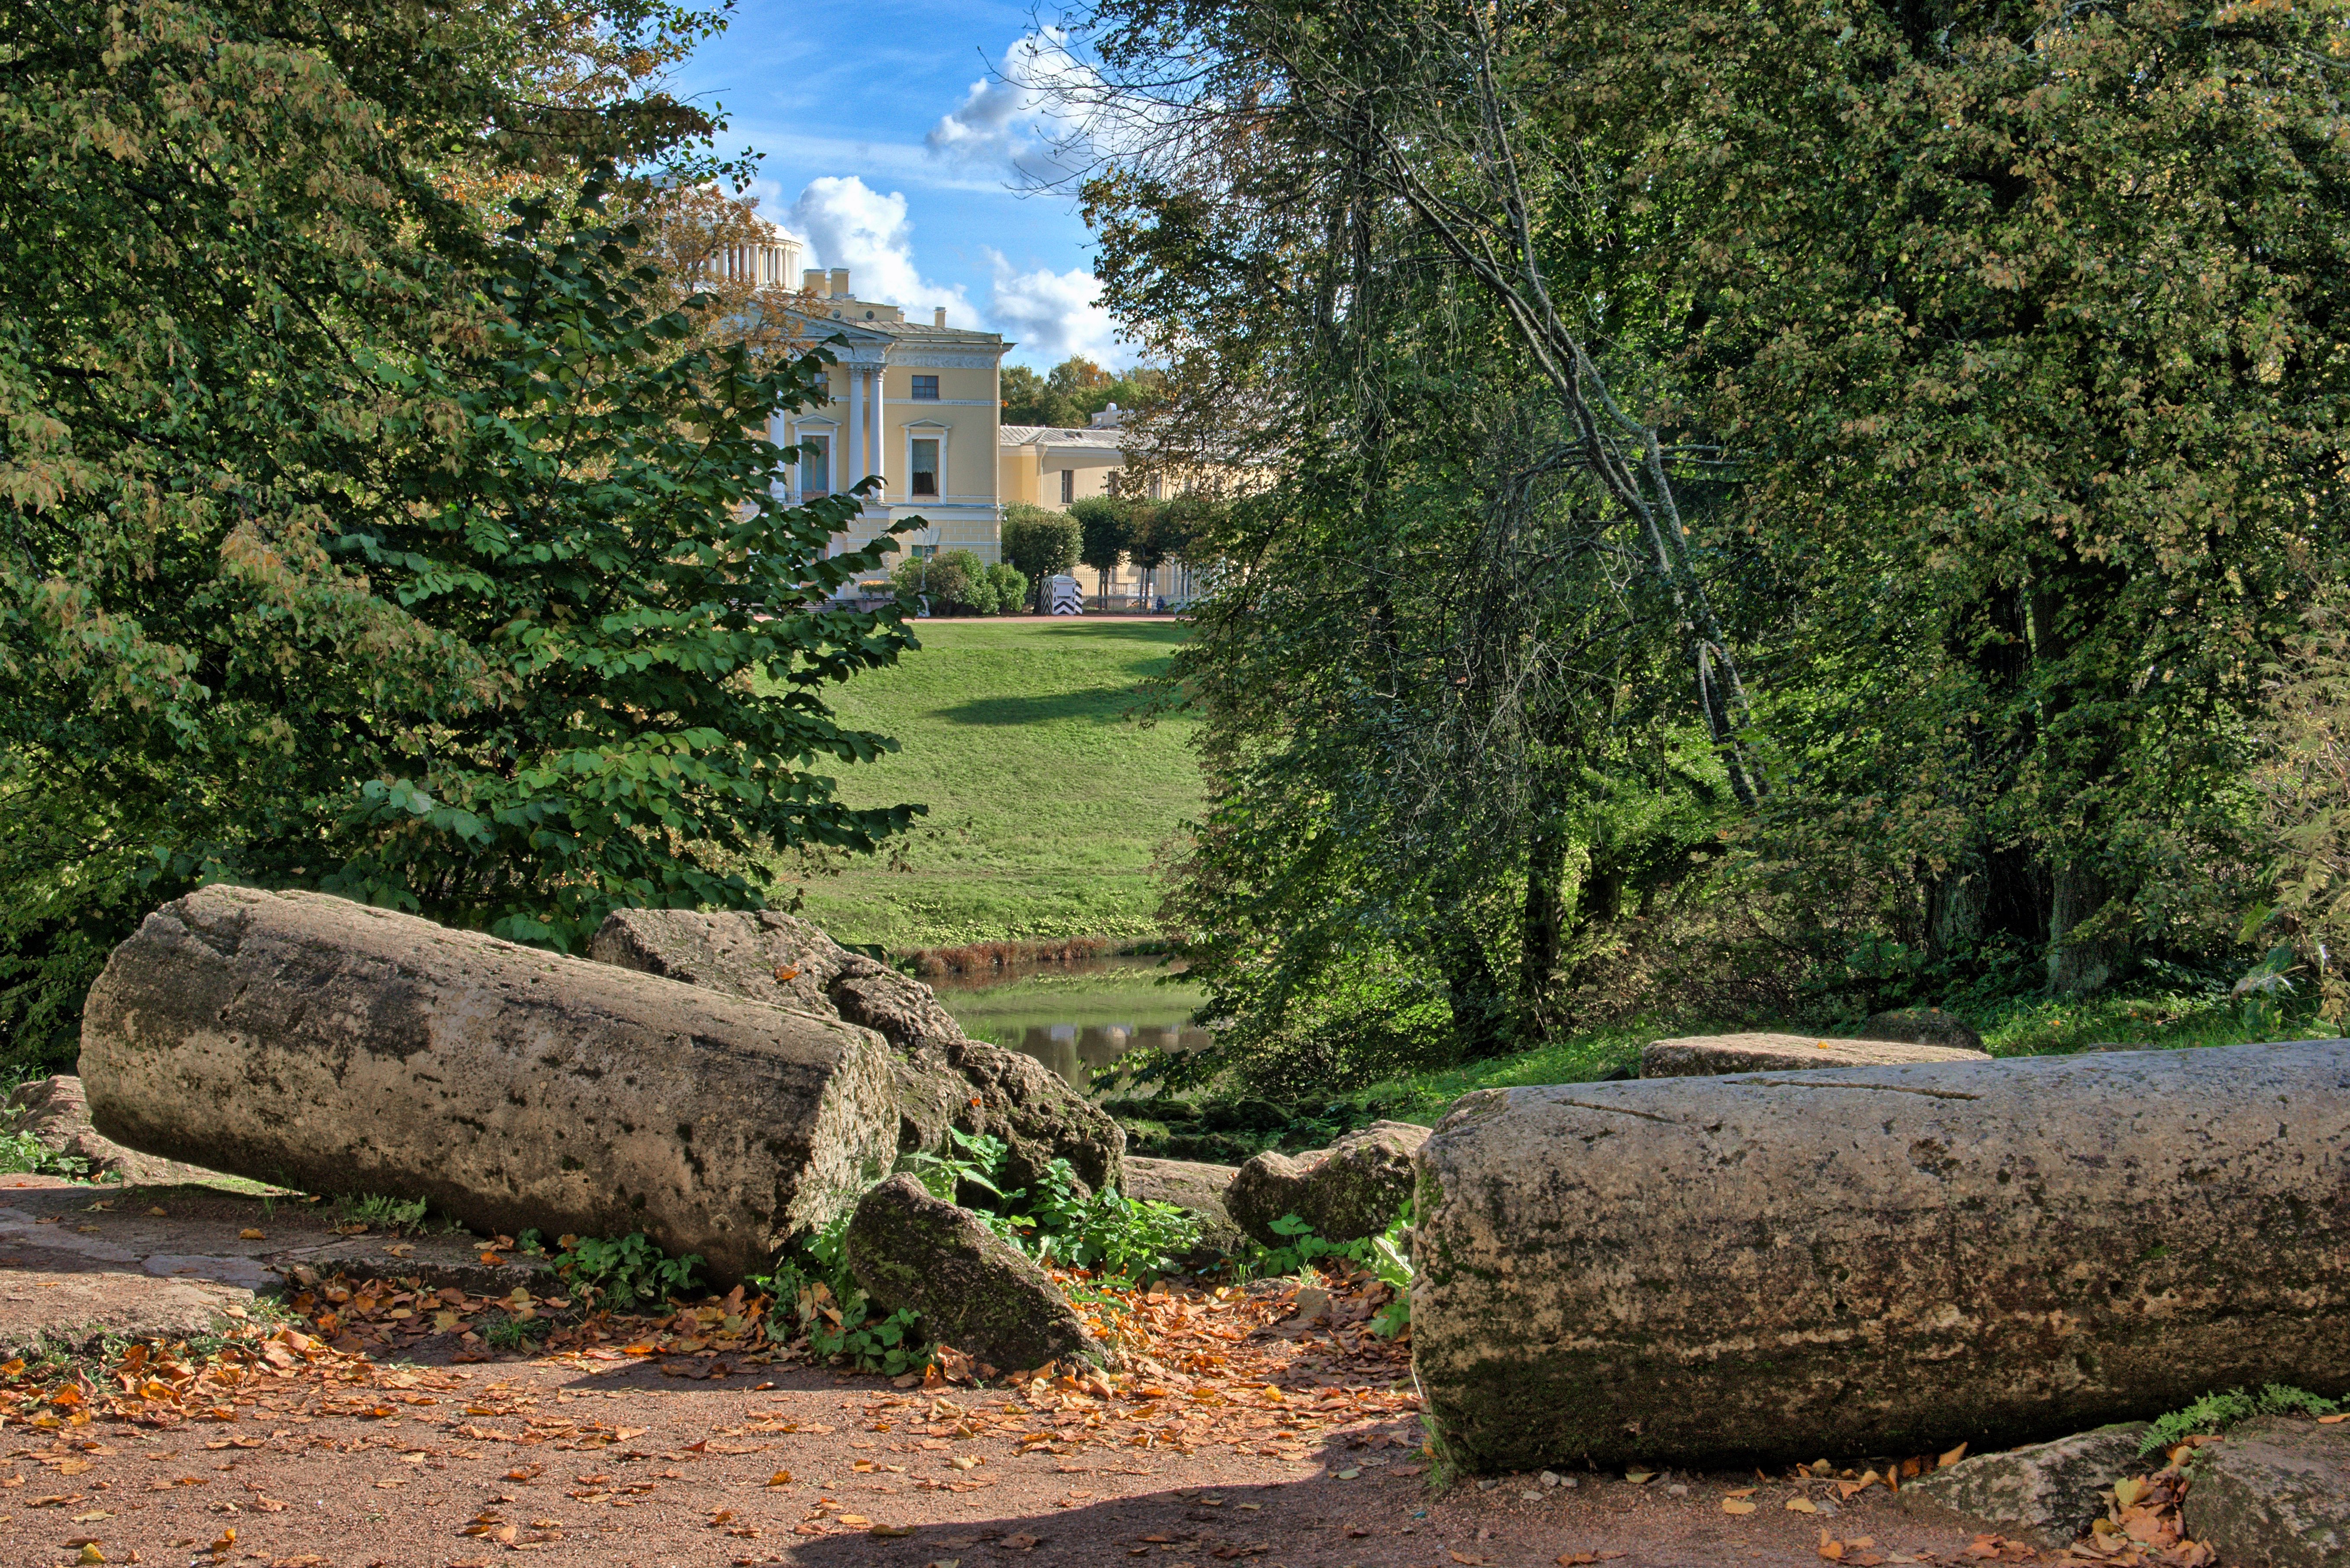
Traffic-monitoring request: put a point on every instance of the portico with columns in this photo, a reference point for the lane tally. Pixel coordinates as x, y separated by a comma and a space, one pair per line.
914, 402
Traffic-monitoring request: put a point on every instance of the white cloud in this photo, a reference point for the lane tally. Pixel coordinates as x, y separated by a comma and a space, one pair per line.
848, 223
1052, 315
1019, 120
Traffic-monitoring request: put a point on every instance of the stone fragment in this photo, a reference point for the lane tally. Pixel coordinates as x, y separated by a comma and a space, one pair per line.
1923, 1026
1347, 1191
2045, 1494
1189, 1185
56, 1113
1711, 1055
332, 1048
2273, 1492
942, 1078
1696, 1271
972, 1290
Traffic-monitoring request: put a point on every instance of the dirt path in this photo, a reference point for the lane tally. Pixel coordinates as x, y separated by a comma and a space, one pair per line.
654, 1470
1251, 1435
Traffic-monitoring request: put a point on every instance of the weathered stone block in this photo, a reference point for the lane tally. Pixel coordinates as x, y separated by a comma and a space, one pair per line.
972, 1290
1923, 1026
1880, 1260
2046, 1493
1194, 1187
1713, 1056
2273, 1492
329, 1046
1347, 1191
56, 1114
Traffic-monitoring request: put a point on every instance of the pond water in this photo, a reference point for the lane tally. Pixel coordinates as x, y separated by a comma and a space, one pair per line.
1078, 1018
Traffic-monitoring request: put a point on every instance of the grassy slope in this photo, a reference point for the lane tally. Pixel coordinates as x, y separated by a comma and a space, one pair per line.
1048, 801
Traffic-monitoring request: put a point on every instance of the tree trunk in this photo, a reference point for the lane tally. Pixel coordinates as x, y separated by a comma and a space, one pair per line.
2076, 967
1540, 927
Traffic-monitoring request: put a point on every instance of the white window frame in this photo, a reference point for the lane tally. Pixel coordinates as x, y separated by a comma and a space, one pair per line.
1068, 486
925, 429
829, 433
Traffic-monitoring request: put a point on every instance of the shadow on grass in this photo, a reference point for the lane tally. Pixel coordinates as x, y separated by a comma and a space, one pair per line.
1101, 704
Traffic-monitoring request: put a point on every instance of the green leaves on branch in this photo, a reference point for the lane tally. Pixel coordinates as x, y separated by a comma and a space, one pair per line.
351, 545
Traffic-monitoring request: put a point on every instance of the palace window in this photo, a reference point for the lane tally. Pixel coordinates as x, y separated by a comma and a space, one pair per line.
924, 468
926, 389
816, 466
1068, 486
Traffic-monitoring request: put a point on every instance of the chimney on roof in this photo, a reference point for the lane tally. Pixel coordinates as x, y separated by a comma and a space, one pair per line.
840, 283
939, 316
812, 280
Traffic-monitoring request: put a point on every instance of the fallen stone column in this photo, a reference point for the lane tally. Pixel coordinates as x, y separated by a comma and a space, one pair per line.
1713, 1055
333, 1047
1880, 1261
944, 1079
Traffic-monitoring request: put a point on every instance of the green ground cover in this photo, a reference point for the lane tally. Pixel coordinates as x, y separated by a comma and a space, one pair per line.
1049, 800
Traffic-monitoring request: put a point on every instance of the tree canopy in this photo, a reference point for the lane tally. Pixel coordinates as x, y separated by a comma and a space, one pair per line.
1069, 394
1811, 489
368, 533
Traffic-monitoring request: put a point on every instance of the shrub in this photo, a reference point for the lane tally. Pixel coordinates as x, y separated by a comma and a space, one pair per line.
942, 579
1011, 589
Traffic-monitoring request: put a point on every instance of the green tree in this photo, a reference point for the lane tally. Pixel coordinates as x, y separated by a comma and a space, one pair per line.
1108, 529
1904, 361
1072, 391
353, 546
1040, 543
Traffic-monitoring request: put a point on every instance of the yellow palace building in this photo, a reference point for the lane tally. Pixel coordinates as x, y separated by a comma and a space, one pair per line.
915, 403
920, 403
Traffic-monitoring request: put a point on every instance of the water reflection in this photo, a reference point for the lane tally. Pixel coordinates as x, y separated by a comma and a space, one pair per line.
1078, 1019
1081, 1052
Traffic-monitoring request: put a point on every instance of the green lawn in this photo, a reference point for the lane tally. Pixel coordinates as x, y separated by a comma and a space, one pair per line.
1048, 800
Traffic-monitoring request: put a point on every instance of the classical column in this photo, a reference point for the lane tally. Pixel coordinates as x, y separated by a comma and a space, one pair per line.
856, 431
881, 433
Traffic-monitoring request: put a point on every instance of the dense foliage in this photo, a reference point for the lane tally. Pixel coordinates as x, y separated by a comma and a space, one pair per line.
1785, 506
356, 543
1072, 391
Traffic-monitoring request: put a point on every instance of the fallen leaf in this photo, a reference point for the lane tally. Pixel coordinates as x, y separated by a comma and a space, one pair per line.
889, 1531
1639, 1477
780, 1478
1736, 1505
1801, 1505
1954, 1457
1457, 1557
2128, 1490
1017, 1543
859, 1520
250, 1235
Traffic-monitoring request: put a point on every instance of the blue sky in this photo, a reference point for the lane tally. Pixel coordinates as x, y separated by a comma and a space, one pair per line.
880, 153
